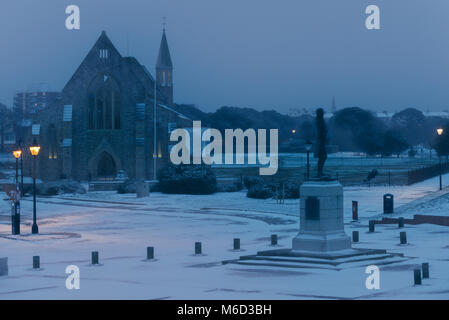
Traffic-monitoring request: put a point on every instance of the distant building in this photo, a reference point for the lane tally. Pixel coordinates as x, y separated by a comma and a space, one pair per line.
104, 123
27, 104
440, 114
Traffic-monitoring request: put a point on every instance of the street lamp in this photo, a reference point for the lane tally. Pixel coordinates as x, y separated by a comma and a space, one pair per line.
440, 132
34, 150
308, 146
17, 154
21, 168
15, 214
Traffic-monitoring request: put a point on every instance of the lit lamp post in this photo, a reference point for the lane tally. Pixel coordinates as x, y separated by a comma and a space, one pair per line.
34, 150
15, 214
440, 132
308, 146
21, 168
17, 154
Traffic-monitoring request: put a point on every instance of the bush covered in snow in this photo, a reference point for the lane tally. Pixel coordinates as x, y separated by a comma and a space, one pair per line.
260, 191
230, 187
251, 181
187, 179
291, 190
129, 186
52, 188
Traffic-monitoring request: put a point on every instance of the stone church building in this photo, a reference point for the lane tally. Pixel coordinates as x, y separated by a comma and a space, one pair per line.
112, 118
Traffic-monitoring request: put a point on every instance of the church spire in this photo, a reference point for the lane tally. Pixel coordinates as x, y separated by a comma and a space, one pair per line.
164, 69
334, 105
164, 59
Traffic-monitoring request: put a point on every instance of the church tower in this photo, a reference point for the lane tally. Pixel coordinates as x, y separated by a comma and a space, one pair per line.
334, 106
164, 70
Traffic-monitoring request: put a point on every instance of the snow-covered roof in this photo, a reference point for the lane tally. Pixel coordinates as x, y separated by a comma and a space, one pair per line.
173, 110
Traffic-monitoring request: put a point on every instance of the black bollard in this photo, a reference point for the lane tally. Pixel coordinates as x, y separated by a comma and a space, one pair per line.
401, 222
403, 236
274, 239
355, 211
36, 262
355, 236
197, 247
371, 225
425, 270
150, 253
417, 276
236, 244
95, 258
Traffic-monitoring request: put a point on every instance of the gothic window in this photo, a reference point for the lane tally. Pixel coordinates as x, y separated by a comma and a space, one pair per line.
104, 53
91, 111
116, 111
52, 142
104, 104
100, 109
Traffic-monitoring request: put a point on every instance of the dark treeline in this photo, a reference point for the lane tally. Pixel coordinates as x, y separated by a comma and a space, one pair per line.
351, 129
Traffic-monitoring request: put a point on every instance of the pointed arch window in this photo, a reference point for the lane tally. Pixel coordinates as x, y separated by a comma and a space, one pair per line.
52, 142
104, 104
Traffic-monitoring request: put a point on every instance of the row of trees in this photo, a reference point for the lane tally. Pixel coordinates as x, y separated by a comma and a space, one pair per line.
352, 129
357, 129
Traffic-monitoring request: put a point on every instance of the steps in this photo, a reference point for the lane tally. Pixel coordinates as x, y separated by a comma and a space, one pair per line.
104, 185
287, 258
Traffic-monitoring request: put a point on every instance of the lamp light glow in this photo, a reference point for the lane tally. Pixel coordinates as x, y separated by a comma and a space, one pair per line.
34, 149
17, 154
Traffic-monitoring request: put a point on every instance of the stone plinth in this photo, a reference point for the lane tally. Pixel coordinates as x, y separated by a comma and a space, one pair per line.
3, 266
321, 218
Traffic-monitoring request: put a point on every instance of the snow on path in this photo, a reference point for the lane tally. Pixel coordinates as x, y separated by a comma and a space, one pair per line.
71, 229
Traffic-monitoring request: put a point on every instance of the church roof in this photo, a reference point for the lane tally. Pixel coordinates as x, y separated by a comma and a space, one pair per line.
164, 59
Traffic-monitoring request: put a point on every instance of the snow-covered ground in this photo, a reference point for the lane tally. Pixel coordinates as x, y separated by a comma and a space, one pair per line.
120, 227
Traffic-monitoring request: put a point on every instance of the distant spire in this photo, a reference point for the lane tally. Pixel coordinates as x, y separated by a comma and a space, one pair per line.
334, 106
164, 59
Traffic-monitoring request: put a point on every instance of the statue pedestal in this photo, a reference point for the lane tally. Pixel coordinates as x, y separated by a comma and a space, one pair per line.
321, 242
321, 218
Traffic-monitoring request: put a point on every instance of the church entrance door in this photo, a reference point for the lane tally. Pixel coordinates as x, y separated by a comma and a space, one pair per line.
106, 167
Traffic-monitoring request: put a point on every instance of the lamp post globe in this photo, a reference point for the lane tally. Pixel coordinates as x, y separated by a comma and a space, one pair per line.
440, 132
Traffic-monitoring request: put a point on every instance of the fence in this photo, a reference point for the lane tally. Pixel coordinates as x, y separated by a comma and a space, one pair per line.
421, 174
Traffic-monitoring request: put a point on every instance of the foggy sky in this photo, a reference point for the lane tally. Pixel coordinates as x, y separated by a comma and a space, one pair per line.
256, 53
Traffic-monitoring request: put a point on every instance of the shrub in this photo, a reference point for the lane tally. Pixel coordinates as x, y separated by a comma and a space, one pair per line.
260, 191
187, 179
251, 181
230, 187
57, 187
291, 190
129, 186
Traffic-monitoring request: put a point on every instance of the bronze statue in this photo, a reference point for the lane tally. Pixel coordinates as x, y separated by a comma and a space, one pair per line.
321, 132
